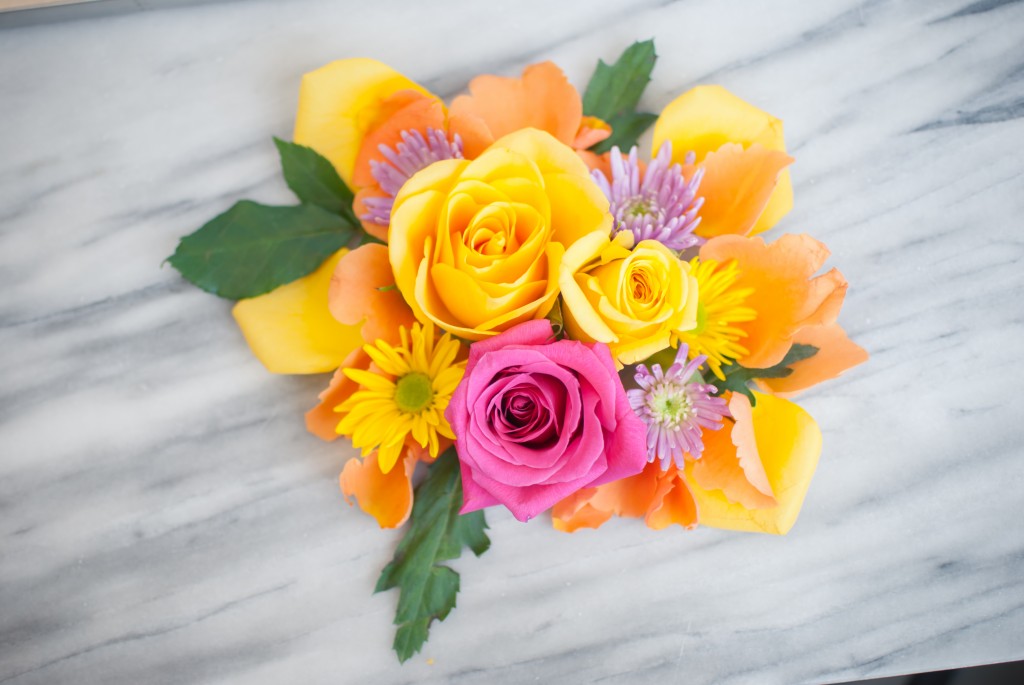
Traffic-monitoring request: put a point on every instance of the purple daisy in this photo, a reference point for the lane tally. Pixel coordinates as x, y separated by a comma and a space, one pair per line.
661, 206
414, 153
675, 409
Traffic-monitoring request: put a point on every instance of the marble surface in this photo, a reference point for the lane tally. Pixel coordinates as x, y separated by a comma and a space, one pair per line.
164, 517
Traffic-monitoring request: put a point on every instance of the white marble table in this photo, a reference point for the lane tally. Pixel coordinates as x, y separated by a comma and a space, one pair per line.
165, 518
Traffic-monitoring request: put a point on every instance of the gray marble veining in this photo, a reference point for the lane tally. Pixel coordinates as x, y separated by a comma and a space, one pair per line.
164, 517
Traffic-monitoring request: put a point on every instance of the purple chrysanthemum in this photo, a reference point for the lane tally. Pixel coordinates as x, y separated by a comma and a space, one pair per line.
675, 409
661, 206
414, 153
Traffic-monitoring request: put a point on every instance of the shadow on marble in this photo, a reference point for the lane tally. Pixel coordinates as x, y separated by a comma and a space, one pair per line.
996, 674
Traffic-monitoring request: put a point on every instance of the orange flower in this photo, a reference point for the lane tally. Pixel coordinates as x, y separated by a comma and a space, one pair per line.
791, 305
660, 497
388, 497
836, 353
405, 111
363, 291
752, 476
355, 296
746, 186
541, 98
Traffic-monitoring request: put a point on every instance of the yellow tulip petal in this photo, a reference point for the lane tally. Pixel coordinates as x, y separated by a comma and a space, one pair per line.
789, 444
340, 103
706, 117
291, 330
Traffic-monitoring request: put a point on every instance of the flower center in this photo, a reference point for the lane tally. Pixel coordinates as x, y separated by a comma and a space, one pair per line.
413, 392
638, 206
642, 290
668, 406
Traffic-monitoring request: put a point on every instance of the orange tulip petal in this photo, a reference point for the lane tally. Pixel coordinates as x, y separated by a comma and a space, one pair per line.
731, 462
355, 294
836, 353
631, 496
676, 504
704, 118
406, 110
596, 161
789, 444
592, 131
541, 98
660, 497
786, 296
475, 134
736, 187
321, 420
575, 512
385, 496
591, 507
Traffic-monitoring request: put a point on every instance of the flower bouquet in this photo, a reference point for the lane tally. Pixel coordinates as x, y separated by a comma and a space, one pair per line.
520, 311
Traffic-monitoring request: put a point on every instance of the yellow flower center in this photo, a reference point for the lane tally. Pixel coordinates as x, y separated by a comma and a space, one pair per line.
413, 392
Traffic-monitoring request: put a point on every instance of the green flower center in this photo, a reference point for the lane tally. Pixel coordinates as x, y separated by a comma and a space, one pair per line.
413, 392
668, 406
639, 206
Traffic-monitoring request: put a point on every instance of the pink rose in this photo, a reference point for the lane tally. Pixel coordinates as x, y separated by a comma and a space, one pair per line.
537, 420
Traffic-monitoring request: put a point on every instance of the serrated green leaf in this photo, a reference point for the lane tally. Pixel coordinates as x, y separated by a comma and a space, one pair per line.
737, 378
410, 638
252, 248
615, 89
626, 130
314, 179
436, 533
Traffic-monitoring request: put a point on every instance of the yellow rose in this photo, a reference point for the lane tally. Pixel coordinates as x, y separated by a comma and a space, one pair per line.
630, 299
476, 245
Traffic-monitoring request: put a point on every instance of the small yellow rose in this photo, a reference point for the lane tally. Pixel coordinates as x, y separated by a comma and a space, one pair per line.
630, 299
476, 245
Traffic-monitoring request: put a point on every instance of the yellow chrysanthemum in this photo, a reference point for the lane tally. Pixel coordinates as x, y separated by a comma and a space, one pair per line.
406, 397
719, 306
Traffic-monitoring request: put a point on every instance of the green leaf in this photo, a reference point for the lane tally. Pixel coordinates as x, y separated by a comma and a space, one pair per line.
437, 533
738, 377
314, 179
626, 130
616, 89
614, 92
252, 248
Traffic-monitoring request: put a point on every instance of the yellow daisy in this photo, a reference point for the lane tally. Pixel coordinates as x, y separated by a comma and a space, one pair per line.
407, 397
719, 306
